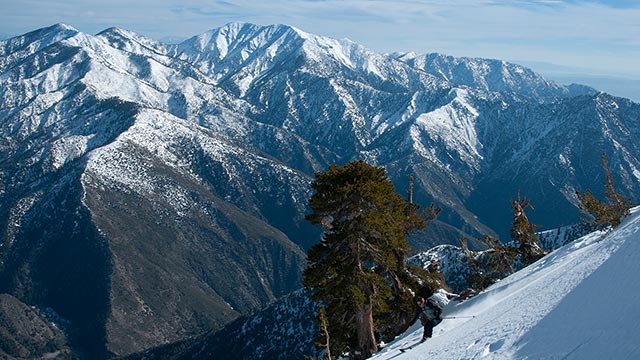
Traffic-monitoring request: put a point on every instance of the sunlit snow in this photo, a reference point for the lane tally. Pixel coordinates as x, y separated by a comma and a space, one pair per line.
579, 302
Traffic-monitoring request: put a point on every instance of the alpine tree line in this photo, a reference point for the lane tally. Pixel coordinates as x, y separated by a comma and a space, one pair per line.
358, 272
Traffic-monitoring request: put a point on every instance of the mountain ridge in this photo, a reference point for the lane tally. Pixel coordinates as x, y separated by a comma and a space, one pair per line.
183, 171
493, 75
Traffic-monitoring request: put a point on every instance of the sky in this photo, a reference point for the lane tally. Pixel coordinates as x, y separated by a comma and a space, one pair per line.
579, 302
596, 37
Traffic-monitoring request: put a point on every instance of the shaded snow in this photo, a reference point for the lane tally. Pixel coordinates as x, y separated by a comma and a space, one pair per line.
579, 302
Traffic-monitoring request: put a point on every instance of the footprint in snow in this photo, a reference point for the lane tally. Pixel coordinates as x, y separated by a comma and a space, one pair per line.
496, 345
493, 347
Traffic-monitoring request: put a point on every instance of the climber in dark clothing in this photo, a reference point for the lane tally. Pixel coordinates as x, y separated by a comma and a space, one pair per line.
429, 313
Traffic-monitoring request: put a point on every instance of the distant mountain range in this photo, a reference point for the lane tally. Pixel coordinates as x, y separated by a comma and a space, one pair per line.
621, 85
151, 192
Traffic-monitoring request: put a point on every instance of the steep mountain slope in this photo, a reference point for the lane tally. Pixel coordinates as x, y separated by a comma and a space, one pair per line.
126, 201
192, 236
547, 151
26, 334
283, 330
558, 307
150, 192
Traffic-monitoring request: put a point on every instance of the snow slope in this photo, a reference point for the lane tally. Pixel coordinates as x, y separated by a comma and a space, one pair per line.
579, 302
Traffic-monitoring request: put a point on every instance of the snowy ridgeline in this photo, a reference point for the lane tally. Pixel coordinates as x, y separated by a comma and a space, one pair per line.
455, 264
579, 302
227, 129
553, 239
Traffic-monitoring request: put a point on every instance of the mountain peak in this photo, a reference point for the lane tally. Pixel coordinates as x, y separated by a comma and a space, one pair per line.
57, 31
131, 41
117, 30
492, 75
21, 46
62, 27
220, 39
236, 27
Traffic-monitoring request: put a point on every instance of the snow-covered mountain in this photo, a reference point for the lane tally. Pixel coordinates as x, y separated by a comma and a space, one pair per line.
493, 75
183, 170
575, 303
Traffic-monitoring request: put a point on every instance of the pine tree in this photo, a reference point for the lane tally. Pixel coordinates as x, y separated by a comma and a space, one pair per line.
352, 271
524, 233
478, 279
608, 213
405, 278
489, 266
501, 258
324, 338
596, 212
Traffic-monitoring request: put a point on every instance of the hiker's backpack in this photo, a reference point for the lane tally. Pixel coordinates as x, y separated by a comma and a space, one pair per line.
431, 313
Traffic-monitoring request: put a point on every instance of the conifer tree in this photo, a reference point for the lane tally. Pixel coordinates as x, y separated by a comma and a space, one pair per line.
501, 258
524, 233
405, 278
352, 270
478, 279
604, 213
489, 266
324, 338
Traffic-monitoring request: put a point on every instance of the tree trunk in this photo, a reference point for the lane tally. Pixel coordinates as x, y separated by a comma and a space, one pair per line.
367, 345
